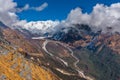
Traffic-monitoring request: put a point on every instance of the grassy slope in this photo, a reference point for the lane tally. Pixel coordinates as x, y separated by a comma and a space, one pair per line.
104, 65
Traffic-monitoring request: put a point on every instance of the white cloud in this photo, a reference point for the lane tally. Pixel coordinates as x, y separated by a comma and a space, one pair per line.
20, 23
41, 7
7, 14
8, 10
7, 5
27, 7
101, 17
76, 16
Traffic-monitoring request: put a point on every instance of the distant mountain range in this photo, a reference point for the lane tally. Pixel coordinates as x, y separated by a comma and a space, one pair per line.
75, 52
39, 28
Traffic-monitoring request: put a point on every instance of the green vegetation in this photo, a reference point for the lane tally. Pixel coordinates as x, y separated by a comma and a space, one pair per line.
104, 65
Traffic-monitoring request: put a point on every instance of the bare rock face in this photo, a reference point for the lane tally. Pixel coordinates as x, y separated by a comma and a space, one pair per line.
114, 42
71, 34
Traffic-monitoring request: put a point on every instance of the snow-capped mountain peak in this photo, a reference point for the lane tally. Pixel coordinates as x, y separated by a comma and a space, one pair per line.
39, 28
41, 25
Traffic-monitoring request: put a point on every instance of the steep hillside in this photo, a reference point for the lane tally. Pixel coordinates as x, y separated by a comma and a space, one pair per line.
14, 66
79, 54
34, 51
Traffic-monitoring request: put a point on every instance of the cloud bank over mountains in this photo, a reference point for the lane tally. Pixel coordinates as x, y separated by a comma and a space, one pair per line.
101, 16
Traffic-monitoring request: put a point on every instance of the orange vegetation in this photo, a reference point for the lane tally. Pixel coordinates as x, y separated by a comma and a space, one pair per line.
13, 66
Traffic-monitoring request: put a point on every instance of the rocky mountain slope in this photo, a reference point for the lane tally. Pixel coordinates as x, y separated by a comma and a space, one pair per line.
33, 55
14, 65
79, 54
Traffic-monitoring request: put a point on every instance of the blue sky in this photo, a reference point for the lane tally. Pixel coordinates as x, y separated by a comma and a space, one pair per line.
57, 9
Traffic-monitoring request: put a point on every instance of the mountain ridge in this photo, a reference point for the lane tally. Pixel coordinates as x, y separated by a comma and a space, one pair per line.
92, 57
